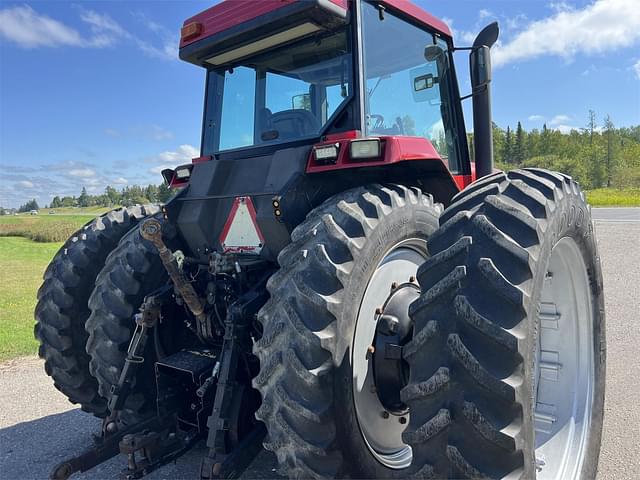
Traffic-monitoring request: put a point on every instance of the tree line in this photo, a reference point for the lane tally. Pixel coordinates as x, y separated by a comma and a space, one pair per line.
111, 197
596, 155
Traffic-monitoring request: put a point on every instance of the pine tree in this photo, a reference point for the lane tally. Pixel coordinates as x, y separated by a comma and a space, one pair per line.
519, 153
610, 132
83, 199
545, 143
507, 149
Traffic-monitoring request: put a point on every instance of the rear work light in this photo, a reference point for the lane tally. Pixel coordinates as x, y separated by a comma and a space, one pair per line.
327, 153
183, 173
362, 149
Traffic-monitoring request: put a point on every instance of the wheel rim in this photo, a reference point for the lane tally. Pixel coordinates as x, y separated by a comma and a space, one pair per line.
565, 370
382, 432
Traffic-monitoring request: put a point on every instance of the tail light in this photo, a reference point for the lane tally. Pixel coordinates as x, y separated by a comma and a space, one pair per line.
190, 30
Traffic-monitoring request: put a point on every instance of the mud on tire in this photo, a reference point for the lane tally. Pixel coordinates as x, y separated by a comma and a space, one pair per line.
472, 378
305, 375
62, 308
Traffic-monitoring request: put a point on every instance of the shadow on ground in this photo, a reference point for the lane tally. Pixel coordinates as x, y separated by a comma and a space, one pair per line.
29, 450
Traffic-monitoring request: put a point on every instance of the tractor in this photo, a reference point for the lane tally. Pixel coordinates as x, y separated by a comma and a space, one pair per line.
335, 278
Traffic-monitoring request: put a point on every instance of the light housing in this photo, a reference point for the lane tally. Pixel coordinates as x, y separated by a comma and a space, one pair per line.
326, 153
183, 173
264, 44
365, 149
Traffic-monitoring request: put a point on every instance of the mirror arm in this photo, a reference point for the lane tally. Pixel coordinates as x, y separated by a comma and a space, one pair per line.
475, 91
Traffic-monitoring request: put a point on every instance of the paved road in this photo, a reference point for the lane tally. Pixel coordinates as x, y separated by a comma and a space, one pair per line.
616, 215
39, 428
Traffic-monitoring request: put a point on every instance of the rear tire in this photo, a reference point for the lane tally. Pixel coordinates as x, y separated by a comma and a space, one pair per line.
132, 271
306, 368
62, 308
513, 282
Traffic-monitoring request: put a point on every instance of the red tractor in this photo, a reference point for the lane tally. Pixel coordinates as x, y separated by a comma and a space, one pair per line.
335, 276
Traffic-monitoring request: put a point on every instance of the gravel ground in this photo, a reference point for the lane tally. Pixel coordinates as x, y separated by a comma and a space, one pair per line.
39, 428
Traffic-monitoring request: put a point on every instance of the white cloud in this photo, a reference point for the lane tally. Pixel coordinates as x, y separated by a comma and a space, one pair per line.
181, 155
484, 13
559, 119
120, 181
636, 68
82, 172
564, 128
24, 26
27, 28
106, 31
26, 184
535, 118
602, 26
159, 133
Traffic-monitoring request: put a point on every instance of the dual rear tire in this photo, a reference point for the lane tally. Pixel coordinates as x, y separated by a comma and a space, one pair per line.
505, 362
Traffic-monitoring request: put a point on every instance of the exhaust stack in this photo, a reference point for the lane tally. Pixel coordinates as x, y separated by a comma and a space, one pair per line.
480, 68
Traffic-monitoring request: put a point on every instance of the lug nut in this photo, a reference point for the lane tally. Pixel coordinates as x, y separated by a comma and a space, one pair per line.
378, 310
371, 349
385, 414
394, 285
412, 279
403, 420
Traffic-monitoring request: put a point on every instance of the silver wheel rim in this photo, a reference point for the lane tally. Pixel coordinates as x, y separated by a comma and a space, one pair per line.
564, 373
383, 436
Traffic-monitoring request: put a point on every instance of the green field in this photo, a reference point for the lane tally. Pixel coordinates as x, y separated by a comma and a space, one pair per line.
22, 263
46, 227
612, 197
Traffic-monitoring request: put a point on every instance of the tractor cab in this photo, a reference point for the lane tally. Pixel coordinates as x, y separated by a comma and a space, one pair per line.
299, 91
364, 71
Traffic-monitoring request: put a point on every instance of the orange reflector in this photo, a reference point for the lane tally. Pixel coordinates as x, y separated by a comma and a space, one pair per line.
191, 30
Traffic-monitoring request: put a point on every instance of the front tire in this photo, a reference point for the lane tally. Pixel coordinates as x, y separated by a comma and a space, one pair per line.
321, 300
508, 380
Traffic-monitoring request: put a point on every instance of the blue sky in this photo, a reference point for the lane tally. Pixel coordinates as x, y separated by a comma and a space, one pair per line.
92, 93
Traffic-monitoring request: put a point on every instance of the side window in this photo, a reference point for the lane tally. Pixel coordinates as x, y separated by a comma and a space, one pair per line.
404, 95
237, 123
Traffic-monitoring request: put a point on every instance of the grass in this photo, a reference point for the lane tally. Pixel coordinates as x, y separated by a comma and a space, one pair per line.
613, 197
43, 228
22, 263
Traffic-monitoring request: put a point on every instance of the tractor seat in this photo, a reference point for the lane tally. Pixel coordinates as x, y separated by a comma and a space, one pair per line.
294, 123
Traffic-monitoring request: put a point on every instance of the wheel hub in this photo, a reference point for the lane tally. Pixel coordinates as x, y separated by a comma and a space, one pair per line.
379, 373
393, 331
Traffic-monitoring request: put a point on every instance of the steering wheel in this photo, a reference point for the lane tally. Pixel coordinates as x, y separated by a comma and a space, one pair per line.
379, 121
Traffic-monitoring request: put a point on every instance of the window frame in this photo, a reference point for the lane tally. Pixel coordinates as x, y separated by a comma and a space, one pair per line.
214, 94
457, 118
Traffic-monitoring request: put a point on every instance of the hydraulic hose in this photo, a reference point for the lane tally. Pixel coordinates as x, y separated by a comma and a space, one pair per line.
151, 230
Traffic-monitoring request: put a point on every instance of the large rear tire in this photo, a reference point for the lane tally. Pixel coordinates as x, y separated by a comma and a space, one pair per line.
62, 308
507, 365
322, 416
132, 271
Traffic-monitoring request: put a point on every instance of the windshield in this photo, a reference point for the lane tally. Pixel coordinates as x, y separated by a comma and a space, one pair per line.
406, 94
283, 95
